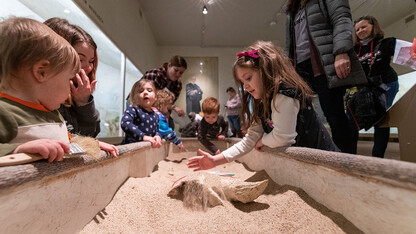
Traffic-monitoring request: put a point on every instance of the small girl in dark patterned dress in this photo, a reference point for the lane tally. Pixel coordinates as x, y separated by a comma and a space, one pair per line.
140, 122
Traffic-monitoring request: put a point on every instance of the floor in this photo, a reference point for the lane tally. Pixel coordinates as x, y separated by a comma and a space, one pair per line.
392, 151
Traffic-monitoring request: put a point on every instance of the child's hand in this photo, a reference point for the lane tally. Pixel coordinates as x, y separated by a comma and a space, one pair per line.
258, 146
49, 149
82, 89
158, 141
204, 162
152, 141
221, 137
217, 152
181, 147
108, 147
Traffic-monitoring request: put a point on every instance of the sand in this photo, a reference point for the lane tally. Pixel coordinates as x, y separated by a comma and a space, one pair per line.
142, 206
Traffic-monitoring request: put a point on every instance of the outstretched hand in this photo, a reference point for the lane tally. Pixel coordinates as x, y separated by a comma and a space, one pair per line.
204, 162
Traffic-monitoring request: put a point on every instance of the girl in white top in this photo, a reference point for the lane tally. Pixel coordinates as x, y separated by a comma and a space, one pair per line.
282, 112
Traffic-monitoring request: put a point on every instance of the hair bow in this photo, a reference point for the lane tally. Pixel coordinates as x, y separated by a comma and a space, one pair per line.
252, 54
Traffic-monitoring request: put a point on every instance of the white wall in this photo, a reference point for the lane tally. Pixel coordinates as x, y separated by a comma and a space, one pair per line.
131, 33
123, 24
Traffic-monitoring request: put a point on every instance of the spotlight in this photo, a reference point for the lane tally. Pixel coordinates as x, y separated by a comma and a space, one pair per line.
204, 10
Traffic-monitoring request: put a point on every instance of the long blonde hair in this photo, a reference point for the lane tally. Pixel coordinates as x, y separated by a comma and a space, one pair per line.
275, 68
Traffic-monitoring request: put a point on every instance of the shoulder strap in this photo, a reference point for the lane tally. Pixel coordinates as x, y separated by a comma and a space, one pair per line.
374, 52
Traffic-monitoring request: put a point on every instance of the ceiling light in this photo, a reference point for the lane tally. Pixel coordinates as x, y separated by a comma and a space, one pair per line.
67, 11
204, 10
201, 63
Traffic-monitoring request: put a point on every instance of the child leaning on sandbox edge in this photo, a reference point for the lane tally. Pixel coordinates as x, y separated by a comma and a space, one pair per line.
36, 68
277, 104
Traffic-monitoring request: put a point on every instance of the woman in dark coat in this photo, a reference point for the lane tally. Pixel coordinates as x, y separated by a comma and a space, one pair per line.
193, 97
319, 42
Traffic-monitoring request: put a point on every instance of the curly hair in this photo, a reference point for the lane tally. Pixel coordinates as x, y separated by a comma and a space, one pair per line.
163, 97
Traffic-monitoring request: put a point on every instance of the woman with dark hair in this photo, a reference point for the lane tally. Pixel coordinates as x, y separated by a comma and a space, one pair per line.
375, 52
79, 112
168, 77
319, 42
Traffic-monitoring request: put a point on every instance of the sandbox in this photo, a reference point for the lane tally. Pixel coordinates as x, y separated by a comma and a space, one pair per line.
310, 191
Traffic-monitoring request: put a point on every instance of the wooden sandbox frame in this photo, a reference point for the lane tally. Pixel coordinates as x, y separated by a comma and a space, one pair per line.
376, 195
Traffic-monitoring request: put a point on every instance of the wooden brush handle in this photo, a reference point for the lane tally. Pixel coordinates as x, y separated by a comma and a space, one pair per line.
17, 159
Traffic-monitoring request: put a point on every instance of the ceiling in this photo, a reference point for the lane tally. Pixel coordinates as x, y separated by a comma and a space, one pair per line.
238, 23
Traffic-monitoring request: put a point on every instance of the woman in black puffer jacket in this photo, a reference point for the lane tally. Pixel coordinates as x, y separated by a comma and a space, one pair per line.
319, 42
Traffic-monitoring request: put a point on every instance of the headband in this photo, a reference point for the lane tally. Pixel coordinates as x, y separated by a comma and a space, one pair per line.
253, 54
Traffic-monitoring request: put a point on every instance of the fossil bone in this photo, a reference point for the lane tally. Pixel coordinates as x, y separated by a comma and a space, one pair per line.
201, 189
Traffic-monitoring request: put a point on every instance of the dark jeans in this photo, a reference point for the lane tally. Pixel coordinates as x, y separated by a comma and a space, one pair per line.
234, 122
332, 104
382, 135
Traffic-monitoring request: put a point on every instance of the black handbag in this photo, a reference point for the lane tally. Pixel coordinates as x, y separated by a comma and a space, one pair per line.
369, 104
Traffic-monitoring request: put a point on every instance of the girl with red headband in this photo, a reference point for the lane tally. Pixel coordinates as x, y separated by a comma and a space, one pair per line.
282, 112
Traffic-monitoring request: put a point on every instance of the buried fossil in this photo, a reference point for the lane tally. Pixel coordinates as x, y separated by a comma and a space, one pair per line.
201, 190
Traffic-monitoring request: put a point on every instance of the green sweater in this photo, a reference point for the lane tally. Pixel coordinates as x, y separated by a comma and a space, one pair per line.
22, 121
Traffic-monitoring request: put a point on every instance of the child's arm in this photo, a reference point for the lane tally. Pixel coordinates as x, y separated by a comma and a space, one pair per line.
206, 161
202, 137
128, 123
166, 132
284, 118
49, 149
